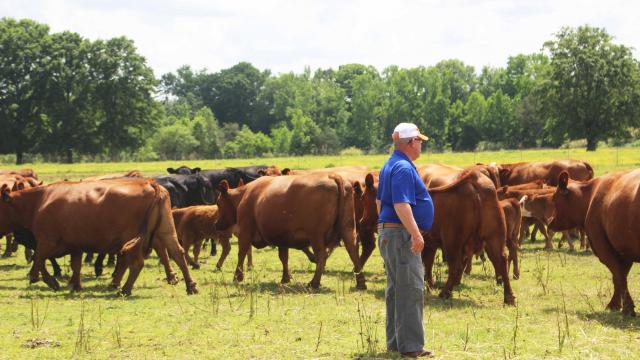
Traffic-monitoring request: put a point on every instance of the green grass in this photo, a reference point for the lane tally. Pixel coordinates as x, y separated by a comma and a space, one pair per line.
561, 298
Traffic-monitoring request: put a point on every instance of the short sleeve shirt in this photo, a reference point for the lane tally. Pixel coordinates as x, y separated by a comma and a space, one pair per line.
399, 182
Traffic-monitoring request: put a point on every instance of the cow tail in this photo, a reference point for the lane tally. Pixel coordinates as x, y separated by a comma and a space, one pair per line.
589, 169
143, 230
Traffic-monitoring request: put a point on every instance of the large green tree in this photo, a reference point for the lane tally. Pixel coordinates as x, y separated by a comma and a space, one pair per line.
22, 84
594, 84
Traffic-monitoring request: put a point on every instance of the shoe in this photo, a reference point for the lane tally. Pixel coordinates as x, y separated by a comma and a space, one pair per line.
417, 354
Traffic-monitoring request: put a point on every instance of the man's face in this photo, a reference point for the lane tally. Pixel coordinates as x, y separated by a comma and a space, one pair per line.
414, 148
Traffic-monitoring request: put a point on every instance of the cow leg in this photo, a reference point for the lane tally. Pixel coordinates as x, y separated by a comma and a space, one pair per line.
455, 264
349, 240
7, 249
534, 231
197, 245
468, 265
161, 251
428, 257
310, 255
214, 249
76, 267
98, 265
135, 262
57, 272
321, 260
250, 259
88, 259
244, 247
28, 255
226, 248
283, 254
111, 260
177, 254
118, 272
548, 245
368, 242
513, 258
45, 250
186, 245
495, 250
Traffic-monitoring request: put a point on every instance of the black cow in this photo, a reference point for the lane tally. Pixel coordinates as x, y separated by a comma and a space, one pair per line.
187, 190
25, 237
183, 170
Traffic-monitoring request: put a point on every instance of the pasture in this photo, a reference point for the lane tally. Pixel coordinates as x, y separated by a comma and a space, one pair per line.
560, 312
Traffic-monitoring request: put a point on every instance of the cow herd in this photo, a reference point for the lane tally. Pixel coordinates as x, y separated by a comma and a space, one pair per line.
479, 209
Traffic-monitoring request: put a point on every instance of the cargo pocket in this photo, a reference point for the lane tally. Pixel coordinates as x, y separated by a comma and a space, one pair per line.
411, 277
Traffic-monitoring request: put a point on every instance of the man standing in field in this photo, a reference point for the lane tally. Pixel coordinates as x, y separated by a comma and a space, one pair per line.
405, 209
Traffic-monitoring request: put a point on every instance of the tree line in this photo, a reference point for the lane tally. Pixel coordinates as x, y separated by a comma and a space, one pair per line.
66, 98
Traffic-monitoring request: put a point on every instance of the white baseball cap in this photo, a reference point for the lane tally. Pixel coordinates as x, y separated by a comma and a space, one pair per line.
407, 130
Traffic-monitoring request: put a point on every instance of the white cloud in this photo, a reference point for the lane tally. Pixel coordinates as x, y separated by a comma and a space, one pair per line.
289, 35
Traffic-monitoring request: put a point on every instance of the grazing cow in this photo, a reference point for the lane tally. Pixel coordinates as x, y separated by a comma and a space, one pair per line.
123, 216
193, 224
608, 207
524, 172
513, 219
292, 212
467, 219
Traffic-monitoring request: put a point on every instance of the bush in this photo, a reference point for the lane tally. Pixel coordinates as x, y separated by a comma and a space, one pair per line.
351, 151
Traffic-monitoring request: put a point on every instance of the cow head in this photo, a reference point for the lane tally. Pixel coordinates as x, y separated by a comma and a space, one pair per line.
570, 202
227, 209
206, 189
369, 219
504, 175
183, 170
286, 171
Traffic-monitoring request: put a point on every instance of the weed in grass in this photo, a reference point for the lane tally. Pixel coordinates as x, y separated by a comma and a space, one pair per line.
541, 276
37, 319
466, 339
319, 336
587, 301
514, 350
117, 335
83, 340
214, 300
368, 330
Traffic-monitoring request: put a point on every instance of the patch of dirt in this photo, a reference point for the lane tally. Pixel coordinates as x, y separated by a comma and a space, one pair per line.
36, 343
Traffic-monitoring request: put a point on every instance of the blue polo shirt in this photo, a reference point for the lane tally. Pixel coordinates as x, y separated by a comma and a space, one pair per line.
399, 182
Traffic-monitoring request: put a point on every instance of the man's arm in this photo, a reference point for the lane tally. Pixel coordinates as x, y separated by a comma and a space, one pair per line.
378, 205
406, 216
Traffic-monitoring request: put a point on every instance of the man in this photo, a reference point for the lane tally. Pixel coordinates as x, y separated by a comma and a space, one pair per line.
405, 209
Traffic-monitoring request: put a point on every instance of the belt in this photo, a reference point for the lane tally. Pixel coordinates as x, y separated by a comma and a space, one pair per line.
388, 225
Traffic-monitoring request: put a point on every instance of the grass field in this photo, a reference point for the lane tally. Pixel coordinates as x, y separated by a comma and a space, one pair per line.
560, 313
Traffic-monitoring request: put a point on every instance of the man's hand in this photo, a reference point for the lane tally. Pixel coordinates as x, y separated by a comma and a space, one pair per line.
417, 243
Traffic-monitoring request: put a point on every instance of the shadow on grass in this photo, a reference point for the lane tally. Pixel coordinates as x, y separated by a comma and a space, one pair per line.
611, 318
377, 355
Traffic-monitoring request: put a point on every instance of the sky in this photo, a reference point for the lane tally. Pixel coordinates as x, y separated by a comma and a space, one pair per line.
286, 36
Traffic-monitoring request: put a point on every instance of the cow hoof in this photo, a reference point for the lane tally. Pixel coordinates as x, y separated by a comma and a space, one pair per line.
285, 280
57, 274
53, 284
114, 286
191, 289
516, 276
510, 300
313, 285
629, 311
124, 293
76, 288
98, 272
195, 266
445, 294
613, 307
238, 277
360, 282
172, 279
218, 268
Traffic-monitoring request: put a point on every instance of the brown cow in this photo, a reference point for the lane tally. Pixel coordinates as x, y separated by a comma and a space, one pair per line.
435, 175
468, 217
23, 172
15, 182
127, 174
609, 209
195, 223
292, 212
524, 172
123, 216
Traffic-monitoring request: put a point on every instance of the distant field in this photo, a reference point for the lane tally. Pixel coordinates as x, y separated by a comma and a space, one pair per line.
560, 314
604, 160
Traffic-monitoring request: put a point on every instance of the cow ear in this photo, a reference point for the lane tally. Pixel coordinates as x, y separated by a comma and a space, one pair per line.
171, 170
5, 193
563, 180
40, 183
223, 186
505, 189
286, 171
240, 183
357, 188
195, 170
20, 186
368, 181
